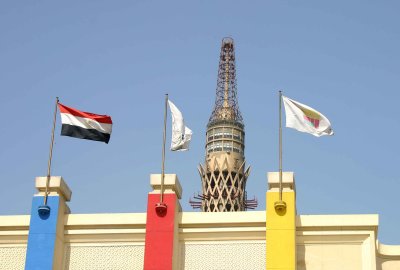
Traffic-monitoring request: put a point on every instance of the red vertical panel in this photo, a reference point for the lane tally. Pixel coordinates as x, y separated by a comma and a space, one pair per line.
159, 246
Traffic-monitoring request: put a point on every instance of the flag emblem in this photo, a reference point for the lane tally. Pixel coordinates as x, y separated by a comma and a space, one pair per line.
311, 117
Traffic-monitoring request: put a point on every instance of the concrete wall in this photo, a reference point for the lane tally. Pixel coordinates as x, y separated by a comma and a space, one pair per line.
208, 241
230, 240
114, 241
336, 242
13, 241
388, 257
220, 240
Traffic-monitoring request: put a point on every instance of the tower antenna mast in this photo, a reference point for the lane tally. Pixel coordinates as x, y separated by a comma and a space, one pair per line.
224, 174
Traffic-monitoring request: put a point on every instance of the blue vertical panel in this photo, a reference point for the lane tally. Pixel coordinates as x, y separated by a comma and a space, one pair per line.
42, 235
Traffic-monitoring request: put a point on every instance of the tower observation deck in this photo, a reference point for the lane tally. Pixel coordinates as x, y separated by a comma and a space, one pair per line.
223, 174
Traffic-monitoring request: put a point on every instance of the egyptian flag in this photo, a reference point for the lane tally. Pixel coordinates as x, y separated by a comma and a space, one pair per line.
306, 119
85, 125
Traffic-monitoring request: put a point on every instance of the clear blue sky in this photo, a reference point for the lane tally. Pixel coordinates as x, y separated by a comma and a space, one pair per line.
121, 57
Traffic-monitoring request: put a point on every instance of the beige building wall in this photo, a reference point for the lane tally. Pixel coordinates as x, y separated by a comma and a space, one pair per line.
208, 241
222, 240
388, 257
336, 242
13, 241
96, 241
229, 240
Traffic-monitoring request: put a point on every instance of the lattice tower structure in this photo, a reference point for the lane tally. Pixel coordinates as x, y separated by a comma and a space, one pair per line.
224, 174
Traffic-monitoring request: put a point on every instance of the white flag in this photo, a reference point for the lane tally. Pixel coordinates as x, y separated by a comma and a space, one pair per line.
306, 119
181, 134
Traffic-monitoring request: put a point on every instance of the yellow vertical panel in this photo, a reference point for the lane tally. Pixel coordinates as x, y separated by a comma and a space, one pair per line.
281, 232
282, 220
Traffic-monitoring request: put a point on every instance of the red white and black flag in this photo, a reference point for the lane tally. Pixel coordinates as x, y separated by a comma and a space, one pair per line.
85, 125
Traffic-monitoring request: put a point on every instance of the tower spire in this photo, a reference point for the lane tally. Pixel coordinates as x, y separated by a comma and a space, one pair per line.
226, 105
224, 175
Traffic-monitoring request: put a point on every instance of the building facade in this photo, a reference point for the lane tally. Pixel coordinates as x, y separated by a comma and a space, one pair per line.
190, 240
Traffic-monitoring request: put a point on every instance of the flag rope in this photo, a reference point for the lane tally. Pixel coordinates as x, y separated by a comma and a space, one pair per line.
50, 154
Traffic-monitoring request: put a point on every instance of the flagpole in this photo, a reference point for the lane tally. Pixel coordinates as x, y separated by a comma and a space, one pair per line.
280, 205
163, 150
161, 207
280, 145
44, 208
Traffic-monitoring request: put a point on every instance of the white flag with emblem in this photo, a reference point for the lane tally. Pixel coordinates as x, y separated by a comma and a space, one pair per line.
181, 134
306, 119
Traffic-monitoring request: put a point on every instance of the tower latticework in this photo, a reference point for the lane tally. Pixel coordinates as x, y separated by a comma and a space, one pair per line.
224, 173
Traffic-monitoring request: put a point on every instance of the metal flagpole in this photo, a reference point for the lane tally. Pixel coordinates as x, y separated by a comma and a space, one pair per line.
280, 145
44, 208
163, 150
280, 205
161, 207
